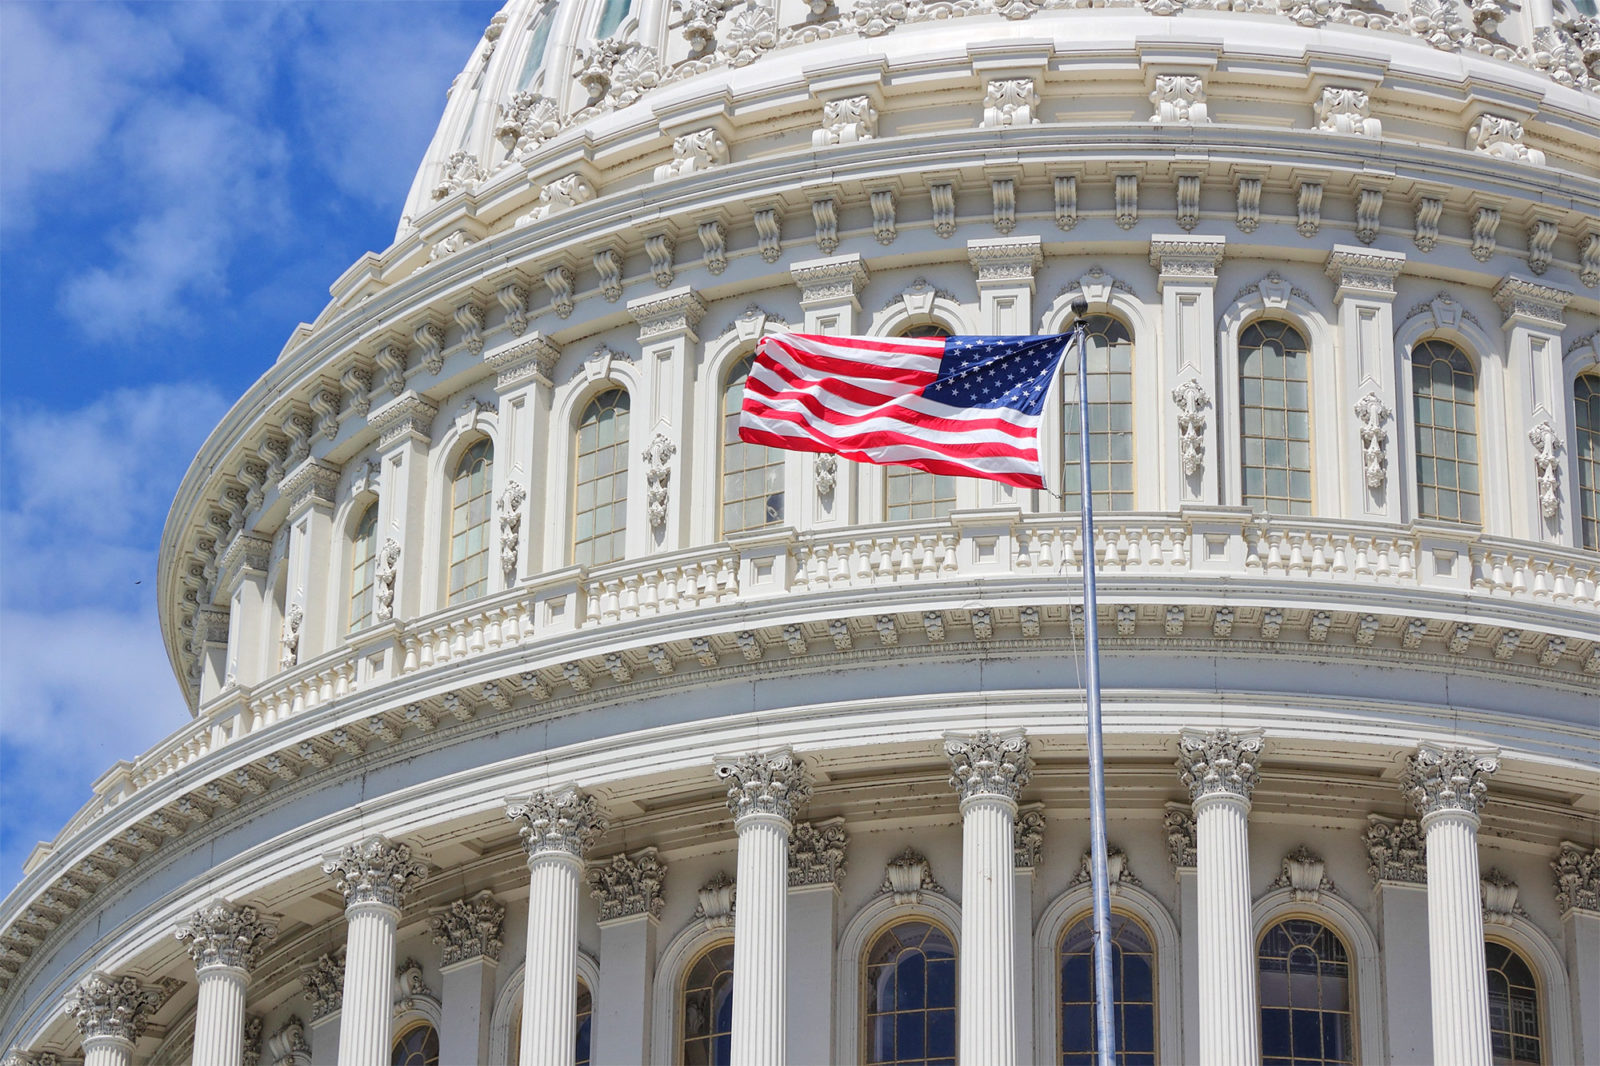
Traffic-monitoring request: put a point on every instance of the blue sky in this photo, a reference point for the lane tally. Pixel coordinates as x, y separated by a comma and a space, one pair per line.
179, 184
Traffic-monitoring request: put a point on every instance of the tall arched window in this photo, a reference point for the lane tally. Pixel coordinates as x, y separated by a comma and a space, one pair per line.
708, 1008
913, 493
363, 567
1274, 419
1586, 401
600, 513
1133, 973
585, 1016
1306, 1015
417, 1046
1443, 388
1513, 1007
910, 1010
1110, 418
469, 523
752, 474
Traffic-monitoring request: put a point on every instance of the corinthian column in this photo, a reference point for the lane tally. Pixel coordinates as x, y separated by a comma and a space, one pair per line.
112, 1013
988, 770
765, 791
559, 826
374, 877
1220, 770
1446, 785
224, 941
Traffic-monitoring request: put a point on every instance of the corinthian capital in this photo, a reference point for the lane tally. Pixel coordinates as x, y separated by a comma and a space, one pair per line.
1219, 762
376, 870
221, 934
1447, 779
113, 1008
988, 764
629, 885
560, 820
470, 929
772, 782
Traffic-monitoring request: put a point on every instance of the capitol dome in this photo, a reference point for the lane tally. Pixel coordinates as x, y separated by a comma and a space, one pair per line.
537, 719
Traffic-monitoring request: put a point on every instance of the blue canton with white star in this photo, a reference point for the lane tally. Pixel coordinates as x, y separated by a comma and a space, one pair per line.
995, 372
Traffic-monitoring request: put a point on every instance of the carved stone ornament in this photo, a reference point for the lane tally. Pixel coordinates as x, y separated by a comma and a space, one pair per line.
817, 852
1192, 401
718, 897
288, 1046
559, 820
1027, 836
559, 195
18, 1057
908, 876
826, 470
221, 934
629, 885
385, 568
469, 929
509, 508
1219, 762
113, 1008
1118, 873
253, 1025
1546, 466
323, 982
1010, 102
293, 618
1179, 98
1371, 414
411, 989
1577, 876
1499, 895
764, 783
1303, 875
1348, 111
1447, 779
987, 764
461, 174
846, 122
376, 871
527, 120
694, 152
1179, 823
658, 474
1501, 137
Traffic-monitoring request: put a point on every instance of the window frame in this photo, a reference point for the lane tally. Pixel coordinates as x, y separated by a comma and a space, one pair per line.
574, 458
447, 533
364, 505
1059, 410
1352, 979
856, 939
1087, 913
1257, 322
884, 928
680, 987
1573, 459
1408, 401
775, 456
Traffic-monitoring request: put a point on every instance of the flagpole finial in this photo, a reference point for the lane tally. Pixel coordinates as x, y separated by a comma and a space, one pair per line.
1080, 307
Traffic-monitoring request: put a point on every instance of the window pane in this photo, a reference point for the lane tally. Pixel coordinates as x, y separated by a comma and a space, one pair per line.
599, 479
1133, 979
909, 1009
1274, 417
1110, 351
1444, 389
1303, 979
1586, 401
469, 523
1513, 1007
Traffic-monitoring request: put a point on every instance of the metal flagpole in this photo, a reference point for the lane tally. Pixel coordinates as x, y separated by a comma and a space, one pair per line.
1099, 879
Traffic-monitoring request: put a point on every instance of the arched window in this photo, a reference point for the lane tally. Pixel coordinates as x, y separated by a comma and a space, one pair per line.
1274, 419
585, 1016
708, 1008
600, 514
1586, 401
913, 493
910, 1010
1133, 972
417, 1046
469, 523
1513, 1007
752, 474
1110, 418
1306, 1015
1443, 389
363, 568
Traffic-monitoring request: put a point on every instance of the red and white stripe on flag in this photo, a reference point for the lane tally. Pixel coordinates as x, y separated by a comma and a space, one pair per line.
968, 406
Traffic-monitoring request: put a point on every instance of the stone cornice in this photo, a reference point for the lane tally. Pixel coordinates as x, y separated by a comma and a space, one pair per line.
1192, 260
1006, 259
245, 553
670, 314
830, 281
1363, 272
310, 483
406, 417
1540, 304
533, 358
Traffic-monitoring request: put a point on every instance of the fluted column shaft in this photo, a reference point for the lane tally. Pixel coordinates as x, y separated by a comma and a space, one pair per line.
219, 1015
367, 1007
1229, 1027
108, 1051
1455, 940
760, 940
988, 988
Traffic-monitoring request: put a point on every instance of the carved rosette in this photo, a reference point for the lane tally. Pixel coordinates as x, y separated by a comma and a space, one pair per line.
1577, 878
113, 1008
1219, 762
986, 764
374, 871
816, 853
323, 983
223, 935
764, 783
470, 929
1447, 779
559, 820
629, 885
1396, 851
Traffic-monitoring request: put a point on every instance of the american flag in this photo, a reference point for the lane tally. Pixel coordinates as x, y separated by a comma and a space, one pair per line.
954, 405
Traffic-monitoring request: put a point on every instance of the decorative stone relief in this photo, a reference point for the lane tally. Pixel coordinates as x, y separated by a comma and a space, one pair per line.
907, 876
1179, 823
385, 569
469, 929
561, 820
1542, 236
221, 934
692, 152
846, 122
1447, 779
1371, 414
559, 195
943, 198
558, 280
294, 617
1499, 895
764, 783
718, 897
629, 885
1118, 873
356, 382
1126, 189
1003, 192
1485, 223
700, 21
713, 245
826, 470
376, 870
988, 764
1027, 836
323, 982
461, 174
1348, 111
659, 248
509, 508
749, 32
1369, 207
252, 1041
1248, 210
658, 475
1577, 877
1179, 98
1188, 212
288, 1046
1429, 210
873, 18
817, 853
411, 989
882, 204
1396, 850
608, 264
825, 217
1501, 137
1010, 102
1308, 206
1066, 201
527, 120
1192, 401
1546, 466
449, 244
1219, 762
768, 233
1303, 875
104, 1005
1589, 260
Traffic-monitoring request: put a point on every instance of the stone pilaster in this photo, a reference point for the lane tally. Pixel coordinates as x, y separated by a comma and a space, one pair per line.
1537, 412
242, 579
1396, 860
1447, 788
558, 827
468, 934
765, 792
523, 386
988, 771
1187, 283
1577, 884
405, 427
1363, 293
224, 941
1005, 268
309, 489
829, 294
628, 890
666, 341
816, 868
1219, 767
112, 1013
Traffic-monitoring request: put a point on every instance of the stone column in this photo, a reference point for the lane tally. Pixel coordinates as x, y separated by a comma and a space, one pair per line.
1219, 768
628, 890
765, 791
224, 941
468, 932
816, 866
829, 294
558, 826
112, 1013
1447, 786
1005, 267
1369, 396
1395, 859
1536, 416
374, 877
1577, 871
988, 770
1187, 283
